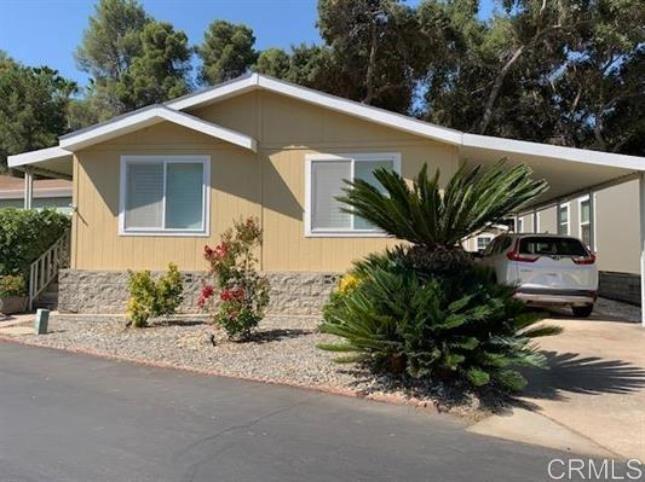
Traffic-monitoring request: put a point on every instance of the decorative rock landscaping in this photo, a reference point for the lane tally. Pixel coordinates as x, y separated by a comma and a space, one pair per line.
282, 351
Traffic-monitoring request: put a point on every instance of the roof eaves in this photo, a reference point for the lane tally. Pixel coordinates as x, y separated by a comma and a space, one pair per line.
573, 154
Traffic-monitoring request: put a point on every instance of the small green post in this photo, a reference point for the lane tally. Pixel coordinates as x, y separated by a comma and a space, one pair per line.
40, 323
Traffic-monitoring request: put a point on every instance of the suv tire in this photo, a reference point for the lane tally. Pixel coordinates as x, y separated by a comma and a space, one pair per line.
582, 311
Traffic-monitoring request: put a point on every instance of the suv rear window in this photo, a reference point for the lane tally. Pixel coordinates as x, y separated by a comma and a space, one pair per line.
549, 246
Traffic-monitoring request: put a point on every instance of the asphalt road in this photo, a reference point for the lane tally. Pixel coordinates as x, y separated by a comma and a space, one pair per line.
67, 417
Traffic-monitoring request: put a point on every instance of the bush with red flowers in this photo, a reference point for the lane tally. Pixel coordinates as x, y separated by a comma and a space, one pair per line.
239, 294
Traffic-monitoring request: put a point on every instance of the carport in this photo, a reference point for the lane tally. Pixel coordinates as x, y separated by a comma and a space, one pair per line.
570, 172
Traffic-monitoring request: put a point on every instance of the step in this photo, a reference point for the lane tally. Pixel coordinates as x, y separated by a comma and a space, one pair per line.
48, 296
51, 306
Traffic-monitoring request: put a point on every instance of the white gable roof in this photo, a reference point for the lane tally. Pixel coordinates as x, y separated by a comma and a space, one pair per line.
34, 157
149, 116
355, 109
468, 143
470, 146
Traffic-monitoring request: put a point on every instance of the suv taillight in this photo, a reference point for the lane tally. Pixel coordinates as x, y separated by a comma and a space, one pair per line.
516, 256
513, 256
589, 259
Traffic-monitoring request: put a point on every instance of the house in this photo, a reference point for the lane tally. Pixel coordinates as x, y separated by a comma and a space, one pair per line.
479, 242
47, 193
157, 184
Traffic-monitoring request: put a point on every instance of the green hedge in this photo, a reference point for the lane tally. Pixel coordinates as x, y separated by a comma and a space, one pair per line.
25, 235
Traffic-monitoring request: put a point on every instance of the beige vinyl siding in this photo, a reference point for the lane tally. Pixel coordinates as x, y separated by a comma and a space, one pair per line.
548, 220
234, 193
617, 228
269, 184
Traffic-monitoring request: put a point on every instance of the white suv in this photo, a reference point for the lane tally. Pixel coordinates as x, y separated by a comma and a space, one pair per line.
547, 269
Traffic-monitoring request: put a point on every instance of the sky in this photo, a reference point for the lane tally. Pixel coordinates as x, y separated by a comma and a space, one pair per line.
46, 32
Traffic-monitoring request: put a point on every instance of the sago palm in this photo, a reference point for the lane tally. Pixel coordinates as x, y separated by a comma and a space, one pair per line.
424, 215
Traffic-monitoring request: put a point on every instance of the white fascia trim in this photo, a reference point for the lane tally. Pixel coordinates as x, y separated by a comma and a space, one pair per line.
151, 116
573, 154
216, 93
404, 123
34, 157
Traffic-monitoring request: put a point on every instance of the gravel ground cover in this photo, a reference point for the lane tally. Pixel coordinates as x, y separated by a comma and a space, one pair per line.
282, 351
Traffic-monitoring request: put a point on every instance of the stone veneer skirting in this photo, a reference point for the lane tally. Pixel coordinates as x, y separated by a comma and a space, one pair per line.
292, 293
620, 286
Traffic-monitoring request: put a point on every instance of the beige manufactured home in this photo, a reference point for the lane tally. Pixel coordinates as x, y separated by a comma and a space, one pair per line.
156, 185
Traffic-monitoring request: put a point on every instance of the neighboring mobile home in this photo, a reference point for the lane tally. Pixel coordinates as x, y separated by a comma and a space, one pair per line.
47, 193
157, 184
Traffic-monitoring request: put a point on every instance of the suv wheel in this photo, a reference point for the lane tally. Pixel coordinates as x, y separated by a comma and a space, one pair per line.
582, 311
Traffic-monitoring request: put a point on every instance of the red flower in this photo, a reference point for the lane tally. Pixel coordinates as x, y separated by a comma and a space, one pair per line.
206, 293
221, 250
233, 294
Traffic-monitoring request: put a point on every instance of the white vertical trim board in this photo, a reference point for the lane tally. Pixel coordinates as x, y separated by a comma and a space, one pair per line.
595, 222
567, 207
580, 200
204, 231
310, 231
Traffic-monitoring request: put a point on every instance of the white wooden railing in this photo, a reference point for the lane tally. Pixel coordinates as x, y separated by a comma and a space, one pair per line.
46, 267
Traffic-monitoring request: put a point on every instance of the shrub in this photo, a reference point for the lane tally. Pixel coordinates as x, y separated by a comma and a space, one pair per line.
242, 293
461, 327
425, 309
26, 234
150, 298
12, 285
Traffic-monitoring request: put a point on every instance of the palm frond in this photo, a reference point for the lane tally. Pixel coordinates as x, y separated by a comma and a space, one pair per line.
473, 200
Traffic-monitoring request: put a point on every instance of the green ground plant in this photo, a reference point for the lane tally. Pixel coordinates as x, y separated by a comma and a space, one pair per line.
150, 298
12, 285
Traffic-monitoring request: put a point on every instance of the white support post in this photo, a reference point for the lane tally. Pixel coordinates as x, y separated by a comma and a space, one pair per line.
29, 189
641, 206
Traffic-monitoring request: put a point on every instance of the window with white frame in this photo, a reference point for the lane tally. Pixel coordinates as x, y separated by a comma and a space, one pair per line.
584, 216
324, 215
520, 225
563, 219
483, 242
164, 195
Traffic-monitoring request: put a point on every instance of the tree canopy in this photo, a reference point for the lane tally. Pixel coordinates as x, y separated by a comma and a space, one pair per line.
227, 52
33, 108
570, 72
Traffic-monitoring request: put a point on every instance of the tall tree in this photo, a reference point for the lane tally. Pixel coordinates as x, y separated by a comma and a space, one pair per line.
374, 44
274, 62
109, 46
112, 39
557, 72
226, 52
133, 60
33, 107
160, 71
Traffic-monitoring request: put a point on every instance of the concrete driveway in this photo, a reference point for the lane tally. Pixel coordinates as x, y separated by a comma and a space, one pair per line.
595, 390
68, 417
